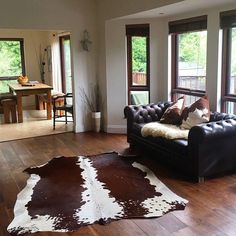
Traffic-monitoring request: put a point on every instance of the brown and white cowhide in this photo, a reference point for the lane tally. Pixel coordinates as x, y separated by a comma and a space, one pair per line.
69, 192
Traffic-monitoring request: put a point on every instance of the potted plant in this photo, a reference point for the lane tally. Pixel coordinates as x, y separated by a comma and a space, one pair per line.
92, 100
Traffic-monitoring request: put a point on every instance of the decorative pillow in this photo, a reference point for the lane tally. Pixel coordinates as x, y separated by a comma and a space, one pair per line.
172, 115
196, 113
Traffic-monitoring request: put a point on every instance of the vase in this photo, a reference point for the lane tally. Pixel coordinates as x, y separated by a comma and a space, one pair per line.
96, 118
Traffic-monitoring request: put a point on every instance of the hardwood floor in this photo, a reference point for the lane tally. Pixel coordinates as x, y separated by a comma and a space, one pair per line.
211, 209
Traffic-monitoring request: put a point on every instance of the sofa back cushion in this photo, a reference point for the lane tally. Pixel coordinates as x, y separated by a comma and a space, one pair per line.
196, 113
173, 113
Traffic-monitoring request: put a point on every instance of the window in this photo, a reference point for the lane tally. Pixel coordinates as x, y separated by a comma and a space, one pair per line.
138, 64
228, 24
11, 62
189, 49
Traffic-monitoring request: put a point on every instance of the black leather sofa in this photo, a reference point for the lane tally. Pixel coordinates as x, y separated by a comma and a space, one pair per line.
210, 149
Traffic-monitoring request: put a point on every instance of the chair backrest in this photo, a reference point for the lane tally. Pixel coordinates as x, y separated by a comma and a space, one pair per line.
68, 98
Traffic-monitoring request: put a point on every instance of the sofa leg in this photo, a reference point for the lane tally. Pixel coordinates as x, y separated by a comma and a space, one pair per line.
201, 179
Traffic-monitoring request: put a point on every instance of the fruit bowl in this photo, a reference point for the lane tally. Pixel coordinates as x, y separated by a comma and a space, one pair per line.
22, 79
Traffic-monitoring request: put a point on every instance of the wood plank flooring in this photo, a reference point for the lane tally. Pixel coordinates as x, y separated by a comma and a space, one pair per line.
211, 209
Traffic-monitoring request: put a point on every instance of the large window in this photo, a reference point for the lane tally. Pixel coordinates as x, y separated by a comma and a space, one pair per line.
138, 64
228, 24
189, 48
11, 62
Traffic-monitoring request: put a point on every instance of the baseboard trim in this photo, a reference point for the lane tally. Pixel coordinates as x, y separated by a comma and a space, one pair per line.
116, 129
79, 129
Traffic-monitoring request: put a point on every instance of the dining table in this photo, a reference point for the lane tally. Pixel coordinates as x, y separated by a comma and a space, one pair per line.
31, 89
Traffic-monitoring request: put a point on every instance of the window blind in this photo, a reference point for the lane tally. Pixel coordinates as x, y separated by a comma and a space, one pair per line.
186, 25
228, 19
137, 30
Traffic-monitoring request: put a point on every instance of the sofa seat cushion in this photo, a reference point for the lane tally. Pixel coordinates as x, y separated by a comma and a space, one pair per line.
169, 131
178, 146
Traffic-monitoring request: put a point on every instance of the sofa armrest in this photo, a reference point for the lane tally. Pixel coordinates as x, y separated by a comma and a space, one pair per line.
212, 147
213, 130
143, 114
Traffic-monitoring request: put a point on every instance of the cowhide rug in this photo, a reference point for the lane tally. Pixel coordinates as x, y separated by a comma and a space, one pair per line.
69, 192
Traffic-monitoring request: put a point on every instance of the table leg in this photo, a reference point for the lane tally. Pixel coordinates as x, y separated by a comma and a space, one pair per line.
19, 107
49, 106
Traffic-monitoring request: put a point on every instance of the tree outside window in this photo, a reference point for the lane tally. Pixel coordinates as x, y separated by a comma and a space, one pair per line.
138, 64
11, 62
189, 50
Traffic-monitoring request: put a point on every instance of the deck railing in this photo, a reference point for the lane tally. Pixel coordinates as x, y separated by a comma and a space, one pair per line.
192, 82
139, 78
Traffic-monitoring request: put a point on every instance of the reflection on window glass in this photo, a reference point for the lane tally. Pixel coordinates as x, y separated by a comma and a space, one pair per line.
4, 88
192, 60
188, 99
139, 61
231, 107
232, 79
67, 65
139, 97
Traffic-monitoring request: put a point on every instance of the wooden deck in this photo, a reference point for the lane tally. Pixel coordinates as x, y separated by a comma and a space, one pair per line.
211, 209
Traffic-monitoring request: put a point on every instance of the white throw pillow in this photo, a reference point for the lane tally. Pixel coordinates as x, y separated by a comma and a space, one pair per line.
194, 118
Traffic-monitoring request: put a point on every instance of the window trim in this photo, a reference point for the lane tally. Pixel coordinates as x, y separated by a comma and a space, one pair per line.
194, 24
132, 31
21, 40
227, 22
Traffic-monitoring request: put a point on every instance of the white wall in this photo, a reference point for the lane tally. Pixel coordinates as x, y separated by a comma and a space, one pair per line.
33, 40
116, 61
107, 10
69, 15
116, 86
160, 82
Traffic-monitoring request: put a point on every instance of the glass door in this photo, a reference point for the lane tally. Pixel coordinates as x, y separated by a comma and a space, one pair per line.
66, 64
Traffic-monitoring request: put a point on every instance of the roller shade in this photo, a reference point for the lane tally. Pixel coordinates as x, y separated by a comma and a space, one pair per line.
186, 25
137, 30
228, 19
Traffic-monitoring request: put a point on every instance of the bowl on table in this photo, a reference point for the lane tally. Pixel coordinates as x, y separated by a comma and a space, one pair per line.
23, 79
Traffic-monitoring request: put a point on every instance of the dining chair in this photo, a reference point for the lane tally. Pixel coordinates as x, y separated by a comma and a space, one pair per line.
61, 109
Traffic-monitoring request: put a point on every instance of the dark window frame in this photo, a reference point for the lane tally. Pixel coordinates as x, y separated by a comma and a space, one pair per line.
227, 22
21, 40
176, 28
132, 31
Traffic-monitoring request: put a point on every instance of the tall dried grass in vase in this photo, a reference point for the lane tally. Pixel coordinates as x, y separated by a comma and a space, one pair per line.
92, 98
93, 101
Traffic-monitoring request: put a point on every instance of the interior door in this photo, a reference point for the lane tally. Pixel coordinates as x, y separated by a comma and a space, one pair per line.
65, 51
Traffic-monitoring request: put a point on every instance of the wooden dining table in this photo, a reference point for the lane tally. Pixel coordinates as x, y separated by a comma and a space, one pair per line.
31, 89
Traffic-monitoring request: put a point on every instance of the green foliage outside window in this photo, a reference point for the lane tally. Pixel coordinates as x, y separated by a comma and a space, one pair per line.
10, 58
10, 62
192, 48
139, 54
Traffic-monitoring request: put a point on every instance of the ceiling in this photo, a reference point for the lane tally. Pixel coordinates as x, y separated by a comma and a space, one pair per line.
179, 8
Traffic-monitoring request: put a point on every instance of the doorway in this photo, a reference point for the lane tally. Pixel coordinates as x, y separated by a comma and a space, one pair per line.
37, 46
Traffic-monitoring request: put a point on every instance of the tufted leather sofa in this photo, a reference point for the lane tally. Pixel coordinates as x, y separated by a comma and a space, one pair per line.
209, 150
